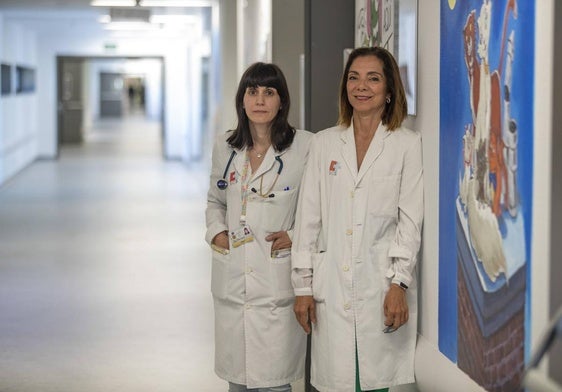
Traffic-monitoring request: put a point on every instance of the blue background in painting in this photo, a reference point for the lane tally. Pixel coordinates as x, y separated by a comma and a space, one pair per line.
455, 114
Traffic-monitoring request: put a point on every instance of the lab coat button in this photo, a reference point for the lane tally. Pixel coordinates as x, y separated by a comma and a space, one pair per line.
349, 232
248, 306
249, 270
346, 268
347, 306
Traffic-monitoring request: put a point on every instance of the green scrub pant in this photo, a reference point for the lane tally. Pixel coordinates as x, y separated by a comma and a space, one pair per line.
357, 385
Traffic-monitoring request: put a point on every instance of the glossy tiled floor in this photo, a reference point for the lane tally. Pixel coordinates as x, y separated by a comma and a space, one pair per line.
104, 273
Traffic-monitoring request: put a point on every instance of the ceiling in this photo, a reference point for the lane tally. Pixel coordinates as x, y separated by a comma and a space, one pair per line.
25, 6
48, 15
44, 4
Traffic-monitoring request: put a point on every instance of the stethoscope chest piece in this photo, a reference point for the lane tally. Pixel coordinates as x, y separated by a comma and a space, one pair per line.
222, 184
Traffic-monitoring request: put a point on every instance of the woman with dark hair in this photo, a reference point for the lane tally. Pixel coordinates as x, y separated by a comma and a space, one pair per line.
358, 233
251, 203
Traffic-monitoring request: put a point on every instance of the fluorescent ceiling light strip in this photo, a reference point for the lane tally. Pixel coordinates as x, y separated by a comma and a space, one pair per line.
130, 26
113, 3
175, 3
172, 19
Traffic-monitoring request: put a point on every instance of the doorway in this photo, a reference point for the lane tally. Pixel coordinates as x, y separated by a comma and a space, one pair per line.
94, 89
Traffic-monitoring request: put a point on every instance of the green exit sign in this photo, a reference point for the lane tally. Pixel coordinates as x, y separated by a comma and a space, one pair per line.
110, 46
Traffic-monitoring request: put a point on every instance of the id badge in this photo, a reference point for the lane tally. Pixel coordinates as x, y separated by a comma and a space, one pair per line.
241, 236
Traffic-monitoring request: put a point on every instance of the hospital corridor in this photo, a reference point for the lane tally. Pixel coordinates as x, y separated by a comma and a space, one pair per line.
105, 275
111, 118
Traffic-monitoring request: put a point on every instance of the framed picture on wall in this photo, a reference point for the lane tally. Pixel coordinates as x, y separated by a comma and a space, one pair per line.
6, 79
391, 24
25, 79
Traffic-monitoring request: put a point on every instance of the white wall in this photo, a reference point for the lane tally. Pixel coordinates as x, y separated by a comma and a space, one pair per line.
434, 372
254, 32
542, 172
244, 39
229, 76
18, 112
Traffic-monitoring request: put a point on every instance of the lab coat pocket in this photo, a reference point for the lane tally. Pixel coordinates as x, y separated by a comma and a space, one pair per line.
382, 261
383, 195
280, 267
319, 276
378, 265
279, 210
219, 274
375, 288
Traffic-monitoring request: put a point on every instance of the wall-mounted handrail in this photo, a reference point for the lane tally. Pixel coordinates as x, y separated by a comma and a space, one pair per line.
535, 380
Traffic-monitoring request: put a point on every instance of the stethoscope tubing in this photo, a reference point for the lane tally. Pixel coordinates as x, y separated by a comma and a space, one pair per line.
222, 184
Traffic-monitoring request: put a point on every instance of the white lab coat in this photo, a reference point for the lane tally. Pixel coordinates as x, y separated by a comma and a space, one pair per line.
360, 231
258, 341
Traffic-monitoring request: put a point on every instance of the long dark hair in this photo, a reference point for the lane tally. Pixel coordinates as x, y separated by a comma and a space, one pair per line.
396, 110
264, 75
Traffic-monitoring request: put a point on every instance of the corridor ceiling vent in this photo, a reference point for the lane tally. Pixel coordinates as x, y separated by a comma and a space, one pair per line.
129, 14
164, 16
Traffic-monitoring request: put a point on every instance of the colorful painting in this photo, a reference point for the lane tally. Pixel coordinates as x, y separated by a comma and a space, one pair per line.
375, 21
486, 159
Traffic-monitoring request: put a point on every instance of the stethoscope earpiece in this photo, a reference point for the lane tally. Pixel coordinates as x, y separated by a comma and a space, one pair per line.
256, 191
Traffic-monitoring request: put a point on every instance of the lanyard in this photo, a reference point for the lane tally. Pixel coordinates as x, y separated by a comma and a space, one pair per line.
245, 182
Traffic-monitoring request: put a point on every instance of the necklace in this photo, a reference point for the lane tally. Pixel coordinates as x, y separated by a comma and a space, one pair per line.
259, 154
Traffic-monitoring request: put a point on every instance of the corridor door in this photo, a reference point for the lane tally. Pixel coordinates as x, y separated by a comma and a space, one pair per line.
111, 94
70, 105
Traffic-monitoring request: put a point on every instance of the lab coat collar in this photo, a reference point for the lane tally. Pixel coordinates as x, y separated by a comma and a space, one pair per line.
350, 155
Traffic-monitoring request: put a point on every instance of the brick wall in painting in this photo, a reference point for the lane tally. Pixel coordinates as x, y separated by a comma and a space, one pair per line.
495, 362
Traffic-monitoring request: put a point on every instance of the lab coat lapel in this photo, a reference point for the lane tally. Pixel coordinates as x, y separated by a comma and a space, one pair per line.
267, 164
348, 152
375, 149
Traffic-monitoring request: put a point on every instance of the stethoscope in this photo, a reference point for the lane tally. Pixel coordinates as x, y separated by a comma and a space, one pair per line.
222, 184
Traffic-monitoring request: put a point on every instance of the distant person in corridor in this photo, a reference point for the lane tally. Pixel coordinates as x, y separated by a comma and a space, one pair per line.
255, 180
358, 233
